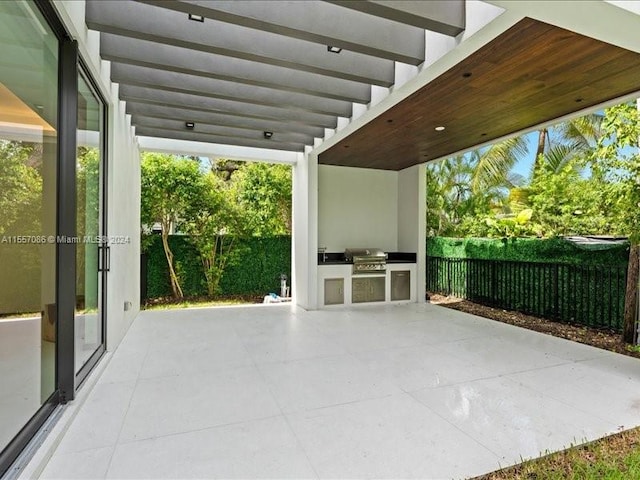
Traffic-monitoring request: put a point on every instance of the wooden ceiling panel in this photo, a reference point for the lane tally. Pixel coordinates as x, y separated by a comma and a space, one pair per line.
532, 73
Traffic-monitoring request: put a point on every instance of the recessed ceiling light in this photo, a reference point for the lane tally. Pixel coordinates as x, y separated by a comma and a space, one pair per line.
196, 18
467, 74
578, 100
346, 146
268, 134
189, 125
390, 120
439, 128
333, 49
483, 134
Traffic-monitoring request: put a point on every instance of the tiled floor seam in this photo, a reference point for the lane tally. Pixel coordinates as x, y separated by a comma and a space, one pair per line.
457, 428
124, 417
97, 383
195, 430
282, 414
545, 394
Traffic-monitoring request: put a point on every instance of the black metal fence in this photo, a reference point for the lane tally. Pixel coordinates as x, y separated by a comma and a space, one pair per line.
591, 295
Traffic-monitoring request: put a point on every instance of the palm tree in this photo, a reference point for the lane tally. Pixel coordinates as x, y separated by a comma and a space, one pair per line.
564, 142
482, 180
449, 196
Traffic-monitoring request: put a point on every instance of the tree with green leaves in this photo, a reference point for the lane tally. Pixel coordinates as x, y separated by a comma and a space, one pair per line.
617, 159
263, 192
463, 191
20, 188
449, 197
567, 202
561, 198
169, 186
214, 223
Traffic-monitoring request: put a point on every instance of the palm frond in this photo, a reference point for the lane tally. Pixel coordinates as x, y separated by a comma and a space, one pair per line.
495, 163
582, 131
559, 156
515, 180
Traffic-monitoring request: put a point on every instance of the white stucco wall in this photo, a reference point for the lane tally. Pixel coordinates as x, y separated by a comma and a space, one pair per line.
411, 218
304, 240
357, 207
123, 181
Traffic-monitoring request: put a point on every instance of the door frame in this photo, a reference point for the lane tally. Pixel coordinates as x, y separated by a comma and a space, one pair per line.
104, 252
67, 381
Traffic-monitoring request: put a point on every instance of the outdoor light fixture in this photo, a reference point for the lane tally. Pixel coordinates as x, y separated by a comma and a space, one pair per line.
439, 128
268, 134
196, 18
189, 125
333, 49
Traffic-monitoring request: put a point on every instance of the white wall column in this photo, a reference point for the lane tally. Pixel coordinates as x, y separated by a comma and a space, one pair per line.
412, 221
305, 231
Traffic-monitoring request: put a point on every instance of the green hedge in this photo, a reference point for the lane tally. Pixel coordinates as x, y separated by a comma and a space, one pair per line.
552, 250
254, 268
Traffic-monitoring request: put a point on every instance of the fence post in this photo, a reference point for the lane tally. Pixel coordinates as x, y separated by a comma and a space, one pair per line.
493, 294
556, 290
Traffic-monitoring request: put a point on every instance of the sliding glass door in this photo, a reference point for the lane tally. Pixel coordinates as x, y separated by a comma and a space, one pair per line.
53, 253
89, 332
28, 179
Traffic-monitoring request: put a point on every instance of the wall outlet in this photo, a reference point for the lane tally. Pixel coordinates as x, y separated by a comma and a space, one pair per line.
127, 305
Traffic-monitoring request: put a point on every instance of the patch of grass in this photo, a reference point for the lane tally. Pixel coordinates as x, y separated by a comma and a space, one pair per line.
19, 316
169, 303
616, 457
634, 348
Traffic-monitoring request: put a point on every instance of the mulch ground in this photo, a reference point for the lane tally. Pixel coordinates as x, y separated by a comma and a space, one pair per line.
606, 340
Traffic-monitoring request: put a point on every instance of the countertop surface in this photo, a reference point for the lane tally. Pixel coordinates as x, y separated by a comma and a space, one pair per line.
338, 258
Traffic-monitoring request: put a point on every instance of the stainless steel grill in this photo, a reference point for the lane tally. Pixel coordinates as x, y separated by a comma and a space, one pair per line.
366, 260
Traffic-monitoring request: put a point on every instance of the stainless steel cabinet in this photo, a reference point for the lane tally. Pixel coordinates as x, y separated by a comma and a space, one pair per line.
367, 289
401, 285
333, 291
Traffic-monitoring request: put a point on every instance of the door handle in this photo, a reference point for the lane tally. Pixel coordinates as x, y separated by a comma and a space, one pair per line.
104, 259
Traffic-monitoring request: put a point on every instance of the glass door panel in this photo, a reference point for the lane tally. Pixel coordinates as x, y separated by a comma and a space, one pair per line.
88, 320
28, 173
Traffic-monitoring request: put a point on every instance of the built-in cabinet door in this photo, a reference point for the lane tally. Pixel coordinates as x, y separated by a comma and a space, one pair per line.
367, 289
334, 291
377, 287
359, 290
401, 285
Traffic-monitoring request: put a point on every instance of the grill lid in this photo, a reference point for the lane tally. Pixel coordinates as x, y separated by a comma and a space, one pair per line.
355, 254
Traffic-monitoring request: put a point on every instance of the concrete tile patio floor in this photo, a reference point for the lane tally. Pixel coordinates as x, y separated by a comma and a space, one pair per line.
403, 391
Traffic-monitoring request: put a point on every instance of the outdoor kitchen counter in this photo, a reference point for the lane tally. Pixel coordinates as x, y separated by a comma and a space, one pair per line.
339, 259
339, 286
